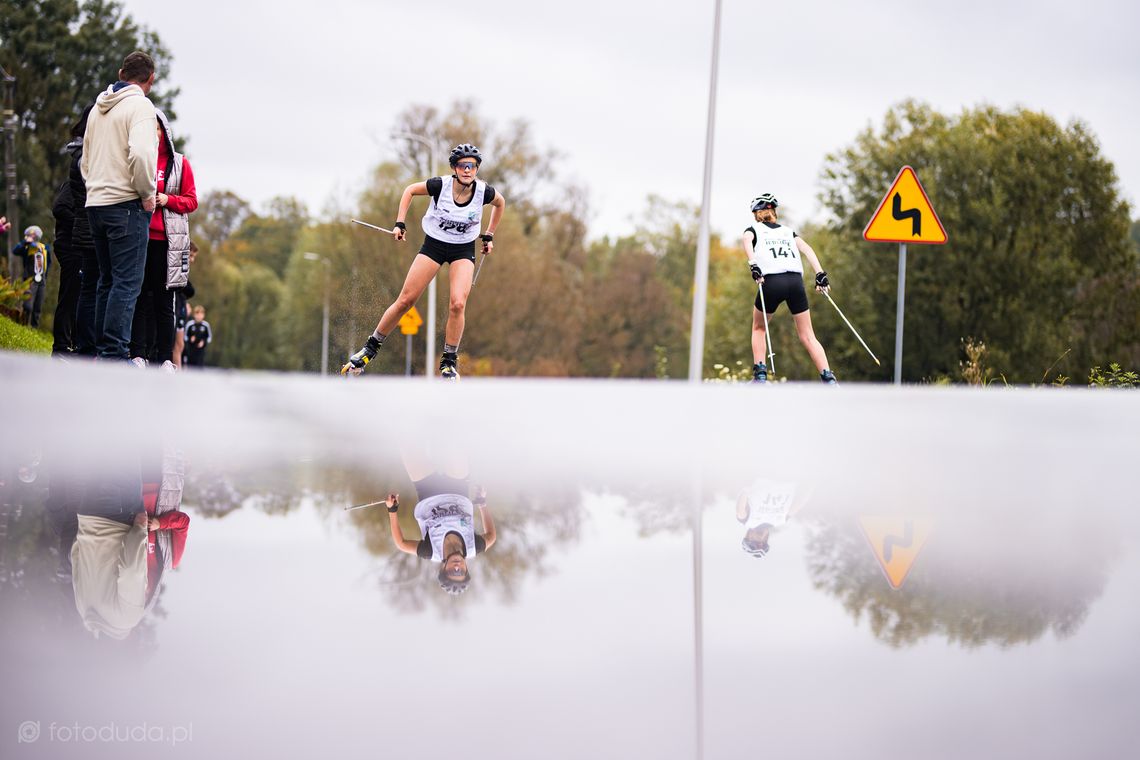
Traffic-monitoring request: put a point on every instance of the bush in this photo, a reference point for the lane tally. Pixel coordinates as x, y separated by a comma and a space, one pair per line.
12, 295
1113, 377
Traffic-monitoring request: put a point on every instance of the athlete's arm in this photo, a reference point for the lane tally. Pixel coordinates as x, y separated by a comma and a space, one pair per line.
417, 188
748, 241
489, 534
497, 207
807, 252
403, 544
821, 283
742, 509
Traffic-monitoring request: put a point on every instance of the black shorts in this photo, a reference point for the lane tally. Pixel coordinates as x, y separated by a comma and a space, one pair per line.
445, 253
785, 286
437, 483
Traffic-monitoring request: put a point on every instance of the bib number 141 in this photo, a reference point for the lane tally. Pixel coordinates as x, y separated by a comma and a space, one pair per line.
783, 251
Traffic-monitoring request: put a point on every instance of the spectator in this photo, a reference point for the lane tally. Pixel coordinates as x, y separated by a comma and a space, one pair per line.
198, 336
86, 332
167, 254
70, 263
182, 310
34, 254
120, 159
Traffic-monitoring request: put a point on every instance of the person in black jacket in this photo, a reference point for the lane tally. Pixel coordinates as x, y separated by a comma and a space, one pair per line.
70, 263
86, 331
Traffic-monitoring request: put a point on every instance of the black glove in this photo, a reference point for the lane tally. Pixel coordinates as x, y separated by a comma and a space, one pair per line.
756, 273
395, 505
821, 280
401, 226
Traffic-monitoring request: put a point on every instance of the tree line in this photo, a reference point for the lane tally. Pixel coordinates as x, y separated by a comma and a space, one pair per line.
1042, 267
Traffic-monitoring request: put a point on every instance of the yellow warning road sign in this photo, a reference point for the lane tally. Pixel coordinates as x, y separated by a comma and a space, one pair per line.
410, 322
905, 214
896, 542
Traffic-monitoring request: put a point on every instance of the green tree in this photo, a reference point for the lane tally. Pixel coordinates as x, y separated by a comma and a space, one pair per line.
63, 53
1039, 258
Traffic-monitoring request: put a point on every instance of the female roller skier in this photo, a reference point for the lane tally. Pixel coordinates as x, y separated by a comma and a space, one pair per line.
451, 225
774, 253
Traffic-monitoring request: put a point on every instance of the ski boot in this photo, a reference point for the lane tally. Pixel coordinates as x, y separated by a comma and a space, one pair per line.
828, 377
358, 361
759, 373
447, 369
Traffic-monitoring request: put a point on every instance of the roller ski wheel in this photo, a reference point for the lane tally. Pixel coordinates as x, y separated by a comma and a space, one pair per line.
356, 363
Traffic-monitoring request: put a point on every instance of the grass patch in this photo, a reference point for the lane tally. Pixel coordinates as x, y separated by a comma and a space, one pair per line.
16, 337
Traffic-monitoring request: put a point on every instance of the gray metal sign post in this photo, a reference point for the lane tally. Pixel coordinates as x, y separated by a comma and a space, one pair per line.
899, 315
899, 219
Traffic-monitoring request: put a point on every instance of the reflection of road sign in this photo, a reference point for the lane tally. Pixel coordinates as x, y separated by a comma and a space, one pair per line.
410, 322
896, 542
905, 214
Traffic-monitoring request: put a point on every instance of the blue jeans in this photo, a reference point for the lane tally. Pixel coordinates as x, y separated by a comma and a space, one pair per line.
119, 233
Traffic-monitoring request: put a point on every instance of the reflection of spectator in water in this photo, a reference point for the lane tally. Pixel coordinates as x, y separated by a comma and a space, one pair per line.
446, 516
128, 533
764, 507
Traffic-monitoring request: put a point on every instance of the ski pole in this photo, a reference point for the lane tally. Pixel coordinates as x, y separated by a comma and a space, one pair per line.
371, 504
372, 226
478, 269
767, 332
845, 319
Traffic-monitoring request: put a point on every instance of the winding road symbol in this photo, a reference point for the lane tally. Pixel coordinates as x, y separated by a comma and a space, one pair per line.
913, 214
905, 215
903, 542
896, 541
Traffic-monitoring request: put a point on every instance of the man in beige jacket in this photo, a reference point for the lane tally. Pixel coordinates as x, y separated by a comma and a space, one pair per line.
120, 158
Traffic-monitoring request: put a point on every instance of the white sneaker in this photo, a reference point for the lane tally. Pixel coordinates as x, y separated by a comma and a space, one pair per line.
139, 362
169, 368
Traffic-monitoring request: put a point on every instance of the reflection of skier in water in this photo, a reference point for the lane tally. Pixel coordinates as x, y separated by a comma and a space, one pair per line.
446, 516
764, 507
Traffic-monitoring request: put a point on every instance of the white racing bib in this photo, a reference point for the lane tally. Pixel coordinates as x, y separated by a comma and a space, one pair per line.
449, 223
769, 501
775, 250
443, 514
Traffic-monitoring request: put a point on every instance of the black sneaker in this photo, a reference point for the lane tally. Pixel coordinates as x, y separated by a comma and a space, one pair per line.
759, 373
447, 368
358, 361
828, 377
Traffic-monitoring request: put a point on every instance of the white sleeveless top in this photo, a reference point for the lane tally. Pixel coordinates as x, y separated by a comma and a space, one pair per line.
769, 501
775, 250
449, 223
443, 514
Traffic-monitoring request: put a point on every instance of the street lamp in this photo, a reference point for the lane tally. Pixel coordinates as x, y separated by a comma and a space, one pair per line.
701, 276
429, 337
325, 319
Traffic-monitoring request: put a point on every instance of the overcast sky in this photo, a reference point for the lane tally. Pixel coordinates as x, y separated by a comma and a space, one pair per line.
293, 96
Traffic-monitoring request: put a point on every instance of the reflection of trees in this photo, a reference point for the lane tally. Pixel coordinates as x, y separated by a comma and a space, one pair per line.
974, 587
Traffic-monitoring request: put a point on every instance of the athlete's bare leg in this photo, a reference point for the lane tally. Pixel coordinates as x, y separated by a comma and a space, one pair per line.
460, 275
423, 269
807, 337
759, 342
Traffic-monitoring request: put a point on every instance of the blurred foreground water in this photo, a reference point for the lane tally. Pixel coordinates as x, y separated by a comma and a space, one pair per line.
664, 571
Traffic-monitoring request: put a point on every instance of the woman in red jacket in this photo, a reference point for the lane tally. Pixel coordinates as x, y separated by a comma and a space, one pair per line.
152, 331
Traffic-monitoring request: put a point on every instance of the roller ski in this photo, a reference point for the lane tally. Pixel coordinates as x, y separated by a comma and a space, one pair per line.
447, 367
356, 363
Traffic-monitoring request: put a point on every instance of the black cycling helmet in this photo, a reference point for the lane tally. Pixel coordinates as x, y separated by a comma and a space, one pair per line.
465, 150
767, 200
